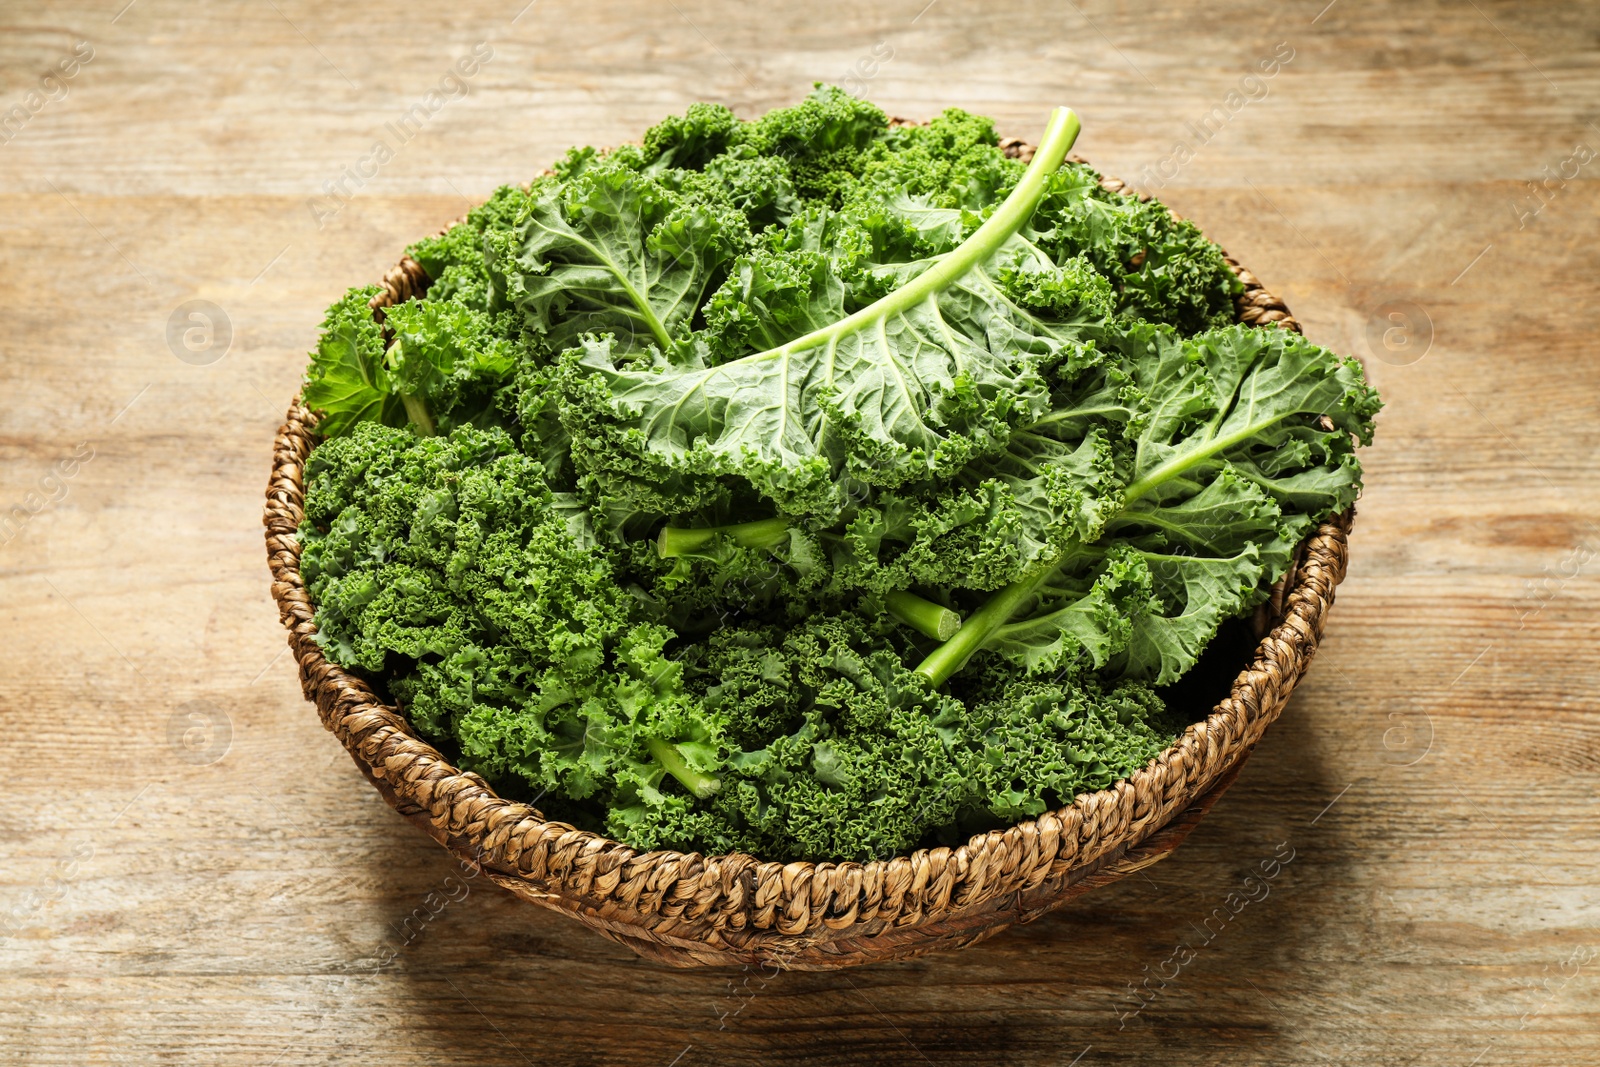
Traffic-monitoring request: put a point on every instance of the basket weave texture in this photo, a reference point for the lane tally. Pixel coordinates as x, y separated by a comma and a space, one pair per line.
691, 910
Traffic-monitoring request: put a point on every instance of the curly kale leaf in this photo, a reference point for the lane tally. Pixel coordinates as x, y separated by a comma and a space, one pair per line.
909, 386
691, 140
1086, 613
612, 250
1239, 394
447, 366
823, 139
347, 379
951, 162
447, 562
1163, 267
457, 260
1235, 442
457, 360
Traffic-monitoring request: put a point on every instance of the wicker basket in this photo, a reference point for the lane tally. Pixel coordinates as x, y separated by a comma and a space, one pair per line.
689, 910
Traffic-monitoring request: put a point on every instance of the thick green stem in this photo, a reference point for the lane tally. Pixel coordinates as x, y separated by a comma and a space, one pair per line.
417, 412
1189, 460
951, 656
1007, 219
666, 754
924, 616
762, 533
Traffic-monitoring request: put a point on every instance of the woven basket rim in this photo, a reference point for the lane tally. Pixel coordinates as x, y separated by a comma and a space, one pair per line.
739, 903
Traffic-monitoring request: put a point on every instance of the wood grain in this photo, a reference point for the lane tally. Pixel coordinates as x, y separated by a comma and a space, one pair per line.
1435, 775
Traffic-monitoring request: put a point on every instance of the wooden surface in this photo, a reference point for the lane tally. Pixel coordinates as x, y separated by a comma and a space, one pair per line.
170, 894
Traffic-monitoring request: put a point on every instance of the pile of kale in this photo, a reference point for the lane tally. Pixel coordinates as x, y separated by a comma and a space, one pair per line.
807, 486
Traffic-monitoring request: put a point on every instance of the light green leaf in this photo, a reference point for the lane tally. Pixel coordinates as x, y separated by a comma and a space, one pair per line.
347, 380
914, 384
619, 252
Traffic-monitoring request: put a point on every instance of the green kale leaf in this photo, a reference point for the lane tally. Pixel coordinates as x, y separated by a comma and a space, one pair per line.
347, 379
912, 385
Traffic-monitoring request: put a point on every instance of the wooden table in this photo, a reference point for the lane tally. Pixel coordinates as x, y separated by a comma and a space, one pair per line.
194, 872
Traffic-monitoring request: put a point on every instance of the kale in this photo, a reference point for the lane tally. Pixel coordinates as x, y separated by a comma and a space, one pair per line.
457, 260
448, 365
447, 562
809, 486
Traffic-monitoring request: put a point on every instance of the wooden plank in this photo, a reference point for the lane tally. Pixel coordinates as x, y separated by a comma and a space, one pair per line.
1434, 776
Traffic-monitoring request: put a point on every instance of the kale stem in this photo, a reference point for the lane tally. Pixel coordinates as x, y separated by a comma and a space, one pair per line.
924, 616
666, 754
417, 412
676, 541
1184, 462
951, 656
1008, 218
